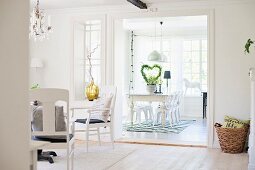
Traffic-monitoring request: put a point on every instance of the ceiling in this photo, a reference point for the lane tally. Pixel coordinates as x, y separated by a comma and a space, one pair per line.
170, 24
58, 4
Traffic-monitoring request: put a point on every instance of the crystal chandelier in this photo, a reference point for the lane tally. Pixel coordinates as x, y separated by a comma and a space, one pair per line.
38, 28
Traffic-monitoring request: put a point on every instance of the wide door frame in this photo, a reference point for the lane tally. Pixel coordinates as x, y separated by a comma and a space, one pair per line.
111, 18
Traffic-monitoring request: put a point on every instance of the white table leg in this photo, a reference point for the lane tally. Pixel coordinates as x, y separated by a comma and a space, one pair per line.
132, 112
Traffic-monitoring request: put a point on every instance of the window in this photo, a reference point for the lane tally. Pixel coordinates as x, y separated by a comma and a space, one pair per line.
195, 64
87, 37
93, 42
167, 50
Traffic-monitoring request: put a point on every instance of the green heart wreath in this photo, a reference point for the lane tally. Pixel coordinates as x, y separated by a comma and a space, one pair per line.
151, 80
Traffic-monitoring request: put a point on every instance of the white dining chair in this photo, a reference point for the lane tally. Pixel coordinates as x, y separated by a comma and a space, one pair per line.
171, 108
168, 108
177, 105
63, 139
146, 109
101, 115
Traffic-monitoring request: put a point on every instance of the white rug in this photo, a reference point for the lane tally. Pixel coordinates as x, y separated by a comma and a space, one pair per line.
86, 160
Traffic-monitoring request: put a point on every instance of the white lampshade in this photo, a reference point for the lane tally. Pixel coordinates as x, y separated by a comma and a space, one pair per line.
156, 56
36, 63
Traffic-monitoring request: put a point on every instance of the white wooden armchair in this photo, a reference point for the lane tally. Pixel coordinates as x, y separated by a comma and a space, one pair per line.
59, 139
101, 115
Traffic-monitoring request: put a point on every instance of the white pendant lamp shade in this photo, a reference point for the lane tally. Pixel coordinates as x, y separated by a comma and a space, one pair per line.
156, 56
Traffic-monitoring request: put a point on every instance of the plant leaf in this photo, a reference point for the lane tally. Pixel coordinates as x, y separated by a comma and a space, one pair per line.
248, 45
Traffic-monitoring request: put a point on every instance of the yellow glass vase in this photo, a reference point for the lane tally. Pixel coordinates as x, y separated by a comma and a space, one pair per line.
92, 91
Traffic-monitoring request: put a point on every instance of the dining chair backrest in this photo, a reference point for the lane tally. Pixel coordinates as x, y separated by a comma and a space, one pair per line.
108, 91
176, 98
48, 97
170, 100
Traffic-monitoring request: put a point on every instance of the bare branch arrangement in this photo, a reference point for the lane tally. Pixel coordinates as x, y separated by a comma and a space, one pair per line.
89, 58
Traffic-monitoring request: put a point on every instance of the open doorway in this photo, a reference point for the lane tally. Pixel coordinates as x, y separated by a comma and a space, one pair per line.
181, 42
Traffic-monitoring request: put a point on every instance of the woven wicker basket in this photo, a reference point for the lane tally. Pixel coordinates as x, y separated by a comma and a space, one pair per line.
232, 140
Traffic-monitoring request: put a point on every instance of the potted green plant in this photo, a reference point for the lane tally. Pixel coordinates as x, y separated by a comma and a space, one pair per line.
151, 75
35, 86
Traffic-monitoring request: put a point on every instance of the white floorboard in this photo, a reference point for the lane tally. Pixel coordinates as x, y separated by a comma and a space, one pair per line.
148, 157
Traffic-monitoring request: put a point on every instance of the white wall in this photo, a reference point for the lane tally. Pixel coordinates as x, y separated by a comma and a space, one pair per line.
233, 26
234, 23
14, 121
192, 107
55, 54
120, 75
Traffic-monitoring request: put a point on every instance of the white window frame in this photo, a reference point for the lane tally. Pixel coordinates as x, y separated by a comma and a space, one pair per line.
200, 39
82, 20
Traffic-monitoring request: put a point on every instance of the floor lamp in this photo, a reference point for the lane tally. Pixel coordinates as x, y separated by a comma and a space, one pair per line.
167, 76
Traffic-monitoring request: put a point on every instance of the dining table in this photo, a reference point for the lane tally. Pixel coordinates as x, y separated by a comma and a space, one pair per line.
81, 105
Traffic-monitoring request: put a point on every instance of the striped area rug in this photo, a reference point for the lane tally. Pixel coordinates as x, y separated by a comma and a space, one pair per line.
149, 127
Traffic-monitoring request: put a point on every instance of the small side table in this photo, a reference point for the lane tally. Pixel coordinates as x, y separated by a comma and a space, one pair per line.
204, 103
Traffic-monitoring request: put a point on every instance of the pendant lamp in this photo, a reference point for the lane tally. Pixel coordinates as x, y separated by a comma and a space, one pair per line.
155, 55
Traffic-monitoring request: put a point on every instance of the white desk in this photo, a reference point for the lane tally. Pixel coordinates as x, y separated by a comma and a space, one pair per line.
34, 146
133, 97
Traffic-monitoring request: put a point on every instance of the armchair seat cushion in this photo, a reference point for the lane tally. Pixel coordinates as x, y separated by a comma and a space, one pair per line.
91, 121
53, 139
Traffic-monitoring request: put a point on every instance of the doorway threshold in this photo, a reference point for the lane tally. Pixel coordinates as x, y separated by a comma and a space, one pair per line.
162, 142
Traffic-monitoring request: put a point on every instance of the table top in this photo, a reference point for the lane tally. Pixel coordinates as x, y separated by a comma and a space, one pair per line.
148, 94
85, 104
34, 145
147, 97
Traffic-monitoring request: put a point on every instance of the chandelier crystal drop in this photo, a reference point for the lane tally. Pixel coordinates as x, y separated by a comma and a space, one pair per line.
39, 29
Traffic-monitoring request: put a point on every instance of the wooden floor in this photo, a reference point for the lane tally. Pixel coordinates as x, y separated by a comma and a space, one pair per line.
152, 157
146, 157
